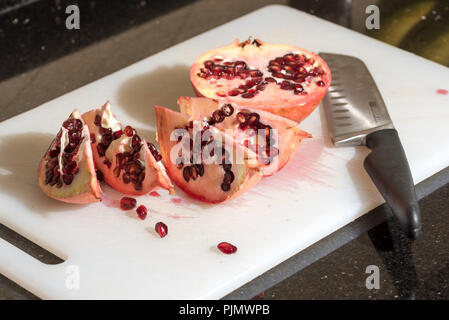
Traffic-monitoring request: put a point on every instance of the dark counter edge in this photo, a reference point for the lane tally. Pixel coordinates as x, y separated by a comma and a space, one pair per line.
329, 244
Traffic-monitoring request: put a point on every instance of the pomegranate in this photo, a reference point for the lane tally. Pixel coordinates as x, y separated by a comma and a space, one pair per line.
128, 163
66, 171
202, 161
282, 79
275, 139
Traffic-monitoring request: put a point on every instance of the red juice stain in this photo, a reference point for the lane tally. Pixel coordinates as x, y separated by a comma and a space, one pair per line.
176, 200
154, 194
442, 91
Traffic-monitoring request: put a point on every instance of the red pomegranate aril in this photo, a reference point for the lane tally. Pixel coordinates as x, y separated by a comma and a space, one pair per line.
70, 167
54, 153
227, 110
208, 64
92, 138
242, 117
320, 83
127, 203
97, 120
248, 95
250, 83
225, 186
285, 85
227, 248
187, 173
117, 134
253, 118
221, 93
228, 177
101, 149
278, 75
129, 131
233, 92
136, 141
161, 229
142, 212
67, 178
99, 174
218, 116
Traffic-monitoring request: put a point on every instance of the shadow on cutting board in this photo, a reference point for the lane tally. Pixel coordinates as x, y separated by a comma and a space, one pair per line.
161, 87
19, 158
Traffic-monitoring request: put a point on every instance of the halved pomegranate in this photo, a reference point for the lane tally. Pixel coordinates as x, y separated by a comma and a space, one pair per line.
129, 164
282, 79
67, 171
202, 161
275, 139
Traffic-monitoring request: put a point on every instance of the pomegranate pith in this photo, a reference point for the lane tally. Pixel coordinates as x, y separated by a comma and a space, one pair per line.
227, 248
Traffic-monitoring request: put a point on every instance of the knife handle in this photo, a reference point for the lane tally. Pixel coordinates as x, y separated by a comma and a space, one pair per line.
388, 168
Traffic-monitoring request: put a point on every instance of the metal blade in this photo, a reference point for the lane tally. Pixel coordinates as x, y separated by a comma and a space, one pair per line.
353, 105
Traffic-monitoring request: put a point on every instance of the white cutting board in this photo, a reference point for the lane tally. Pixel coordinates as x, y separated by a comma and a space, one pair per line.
321, 190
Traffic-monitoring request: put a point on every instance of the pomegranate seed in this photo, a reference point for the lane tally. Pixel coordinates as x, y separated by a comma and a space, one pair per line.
242, 117
227, 248
100, 176
127, 203
70, 167
228, 177
129, 131
54, 153
218, 116
92, 138
248, 95
227, 109
97, 120
117, 134
270, 80
221, 93
187, 173
142, 212
135, 141
320, 83
157, 156
67, 178
225, 186
161, 229
101, 149
233, 92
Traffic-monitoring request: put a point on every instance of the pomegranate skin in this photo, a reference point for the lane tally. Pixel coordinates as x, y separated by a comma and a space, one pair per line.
272, 99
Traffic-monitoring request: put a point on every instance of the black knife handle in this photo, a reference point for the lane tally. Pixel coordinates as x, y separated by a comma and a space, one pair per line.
388, 168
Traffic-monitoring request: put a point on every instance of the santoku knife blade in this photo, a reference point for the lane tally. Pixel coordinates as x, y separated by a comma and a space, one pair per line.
356, 115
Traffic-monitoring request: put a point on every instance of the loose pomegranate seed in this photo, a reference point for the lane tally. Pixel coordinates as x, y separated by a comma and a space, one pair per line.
227, 248
127, 203
161, 228
154, 194
142, 212
129, 131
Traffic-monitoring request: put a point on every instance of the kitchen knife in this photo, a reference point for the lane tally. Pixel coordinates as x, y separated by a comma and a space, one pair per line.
356, 115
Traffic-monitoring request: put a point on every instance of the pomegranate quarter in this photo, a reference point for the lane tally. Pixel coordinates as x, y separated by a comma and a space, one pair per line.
67, 172
128, 163
279, 78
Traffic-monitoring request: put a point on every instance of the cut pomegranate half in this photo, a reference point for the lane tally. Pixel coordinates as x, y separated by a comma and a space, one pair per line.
129, 164
67, 171
275, 139
282, 79
202, 161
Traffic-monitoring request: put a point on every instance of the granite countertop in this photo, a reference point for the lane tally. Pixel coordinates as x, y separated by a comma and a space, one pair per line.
38, 53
